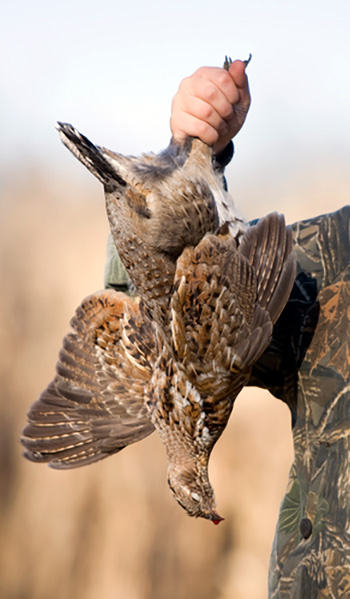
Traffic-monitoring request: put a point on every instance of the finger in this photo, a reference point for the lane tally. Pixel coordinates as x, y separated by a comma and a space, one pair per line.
216, 86
194, 127
206, 112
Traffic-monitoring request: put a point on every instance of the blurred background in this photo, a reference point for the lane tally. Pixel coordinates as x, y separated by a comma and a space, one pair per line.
112, 530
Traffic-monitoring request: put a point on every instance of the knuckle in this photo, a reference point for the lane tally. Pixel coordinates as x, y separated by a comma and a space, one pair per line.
184, 85
223, 78
209, 93
201, 72
206, 112
227, 111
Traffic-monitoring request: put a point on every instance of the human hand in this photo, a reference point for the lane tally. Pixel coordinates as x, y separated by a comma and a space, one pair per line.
211, 104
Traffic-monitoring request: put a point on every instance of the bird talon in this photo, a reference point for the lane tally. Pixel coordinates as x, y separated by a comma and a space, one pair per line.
228, 62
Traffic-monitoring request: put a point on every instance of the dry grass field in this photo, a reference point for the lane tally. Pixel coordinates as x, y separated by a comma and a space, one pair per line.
112, 530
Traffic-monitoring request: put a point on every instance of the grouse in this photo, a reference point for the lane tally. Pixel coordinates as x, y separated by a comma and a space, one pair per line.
210, 288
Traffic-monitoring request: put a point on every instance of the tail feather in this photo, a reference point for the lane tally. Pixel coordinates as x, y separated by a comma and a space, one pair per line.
89, 155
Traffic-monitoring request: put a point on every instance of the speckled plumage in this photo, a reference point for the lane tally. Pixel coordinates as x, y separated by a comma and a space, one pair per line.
210, 289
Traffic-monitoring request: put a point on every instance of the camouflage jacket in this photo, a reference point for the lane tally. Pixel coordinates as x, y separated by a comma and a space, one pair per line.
311, 553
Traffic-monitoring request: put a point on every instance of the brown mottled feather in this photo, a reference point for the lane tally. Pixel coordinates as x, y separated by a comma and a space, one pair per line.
94, 406
220, 324
267, 246
221, 317
157, 205
211, 289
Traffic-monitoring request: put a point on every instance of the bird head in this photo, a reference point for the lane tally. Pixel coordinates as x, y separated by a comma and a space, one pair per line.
193, 491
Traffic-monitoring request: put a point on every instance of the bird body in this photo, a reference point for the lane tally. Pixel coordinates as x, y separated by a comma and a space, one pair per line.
157, 205
210, 289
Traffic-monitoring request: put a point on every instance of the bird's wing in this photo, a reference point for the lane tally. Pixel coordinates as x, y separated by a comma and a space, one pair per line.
226, 299
94, 406
268, 248
216, 329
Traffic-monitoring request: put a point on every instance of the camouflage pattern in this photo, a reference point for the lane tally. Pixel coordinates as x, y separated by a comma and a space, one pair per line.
307, 365
311, 553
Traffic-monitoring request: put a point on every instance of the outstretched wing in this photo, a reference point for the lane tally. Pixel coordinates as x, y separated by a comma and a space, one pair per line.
94, 406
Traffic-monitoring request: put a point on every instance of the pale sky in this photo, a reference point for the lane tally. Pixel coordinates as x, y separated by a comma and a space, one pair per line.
112, 68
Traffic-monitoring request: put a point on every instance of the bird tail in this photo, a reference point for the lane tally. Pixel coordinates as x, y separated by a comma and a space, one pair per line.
91, 156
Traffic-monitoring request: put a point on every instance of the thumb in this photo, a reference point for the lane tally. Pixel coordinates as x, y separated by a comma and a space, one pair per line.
238, 73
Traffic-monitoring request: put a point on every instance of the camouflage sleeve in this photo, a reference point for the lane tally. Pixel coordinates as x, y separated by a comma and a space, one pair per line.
311, 346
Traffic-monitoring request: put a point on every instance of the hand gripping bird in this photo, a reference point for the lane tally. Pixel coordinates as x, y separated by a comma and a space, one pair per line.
210, 289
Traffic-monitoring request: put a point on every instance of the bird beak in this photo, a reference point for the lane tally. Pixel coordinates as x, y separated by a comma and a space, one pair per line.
215, 518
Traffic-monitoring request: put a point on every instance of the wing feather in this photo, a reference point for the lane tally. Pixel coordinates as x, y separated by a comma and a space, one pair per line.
94, 406
267, 247
226, 300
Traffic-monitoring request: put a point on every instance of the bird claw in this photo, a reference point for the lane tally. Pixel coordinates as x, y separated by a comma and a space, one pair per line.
228, 62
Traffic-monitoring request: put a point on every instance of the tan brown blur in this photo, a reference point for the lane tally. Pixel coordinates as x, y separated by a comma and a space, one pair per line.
112, 530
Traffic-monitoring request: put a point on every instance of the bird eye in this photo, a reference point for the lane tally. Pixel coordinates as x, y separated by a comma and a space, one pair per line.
195, 496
